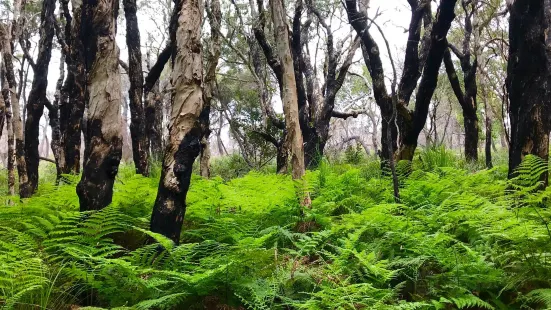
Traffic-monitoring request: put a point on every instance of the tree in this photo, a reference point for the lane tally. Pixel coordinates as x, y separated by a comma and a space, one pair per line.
183, 145
9, 37
215, 16
37, 97
529, 81
72, 100
289, 94
423, 58
316, 100
103, 122
468, 98
140, 148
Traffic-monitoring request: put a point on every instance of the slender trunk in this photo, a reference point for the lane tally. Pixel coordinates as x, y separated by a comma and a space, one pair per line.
3, 110
215, 16
56, 144
37, 96
529, 81
289, 90
104, 148
9, 128
135, 93
488, 142
72, 102
25, 190
184, 143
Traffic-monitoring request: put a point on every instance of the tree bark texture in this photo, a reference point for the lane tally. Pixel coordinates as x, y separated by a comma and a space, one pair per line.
140, 148
184, 143
72, 101
289, 89
9, 125
25, 190
37, 96
215, 16
529, 81
103, 129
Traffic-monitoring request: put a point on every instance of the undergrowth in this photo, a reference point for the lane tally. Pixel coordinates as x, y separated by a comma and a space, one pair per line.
459, 239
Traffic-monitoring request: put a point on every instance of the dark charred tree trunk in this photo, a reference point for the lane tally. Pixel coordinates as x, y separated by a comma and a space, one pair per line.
488, 142
72, 101
184, 143
103, 130
37, 96
135, 93
529, 81
415, 121
427, 57
467, 99
3, 111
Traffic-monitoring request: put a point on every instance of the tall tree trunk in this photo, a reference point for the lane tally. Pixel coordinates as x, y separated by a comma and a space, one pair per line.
529, 81
104, 149
154, 117
184, 143
413, 123
488, 142
56, 144
289, 89
9, 124
24, 188
72, 102
215, 16
135, 93
37, 96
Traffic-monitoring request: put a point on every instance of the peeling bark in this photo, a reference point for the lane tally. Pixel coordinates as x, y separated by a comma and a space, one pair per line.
135, 93
104, 140
289, 89
37, 95
529, 81
9, 124
184, 142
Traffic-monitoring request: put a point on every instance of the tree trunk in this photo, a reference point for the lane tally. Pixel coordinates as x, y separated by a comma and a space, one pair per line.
56, 144
72, 102
135, 93
215, 16
9, 126
529, 81
37, 96
104, 149
412, 125
153, 119
184, 143
488, 142
25, 190
289, 90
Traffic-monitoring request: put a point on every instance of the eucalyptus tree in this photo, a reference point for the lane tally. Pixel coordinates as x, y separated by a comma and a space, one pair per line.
422, 60
529, 81
37, 96
103, 137
140, 148
183, 144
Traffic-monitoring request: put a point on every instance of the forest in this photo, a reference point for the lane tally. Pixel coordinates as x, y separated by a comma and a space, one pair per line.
275, 154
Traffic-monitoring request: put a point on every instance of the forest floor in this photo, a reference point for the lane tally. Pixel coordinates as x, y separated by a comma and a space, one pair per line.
460, 238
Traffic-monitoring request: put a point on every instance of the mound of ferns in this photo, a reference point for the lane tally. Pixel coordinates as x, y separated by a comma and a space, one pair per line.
457, 240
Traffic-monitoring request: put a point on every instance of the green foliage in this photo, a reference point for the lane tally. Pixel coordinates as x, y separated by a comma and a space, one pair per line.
457, 240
